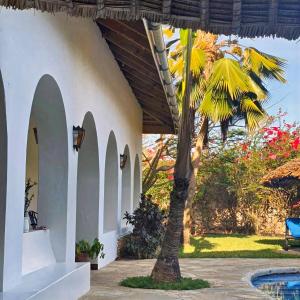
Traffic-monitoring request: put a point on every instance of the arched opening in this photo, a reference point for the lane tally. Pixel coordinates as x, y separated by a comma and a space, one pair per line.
47, 165
3, 169
126, 188
137, 183
87, 209
111, 185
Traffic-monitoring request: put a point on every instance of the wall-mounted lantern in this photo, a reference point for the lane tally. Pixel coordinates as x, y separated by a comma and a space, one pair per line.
78, 137
123, 160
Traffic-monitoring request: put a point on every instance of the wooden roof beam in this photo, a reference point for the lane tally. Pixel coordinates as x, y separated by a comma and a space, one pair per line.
126, 32
127, 46
127, 57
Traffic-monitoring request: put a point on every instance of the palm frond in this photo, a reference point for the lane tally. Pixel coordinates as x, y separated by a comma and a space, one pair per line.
216, 107
264, 65
227, 76
253, 112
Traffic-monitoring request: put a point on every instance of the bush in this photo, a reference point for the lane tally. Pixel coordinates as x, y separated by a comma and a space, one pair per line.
146, 282
148, 230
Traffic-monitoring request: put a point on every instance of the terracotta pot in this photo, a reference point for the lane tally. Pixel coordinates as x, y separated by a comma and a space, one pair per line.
82, 257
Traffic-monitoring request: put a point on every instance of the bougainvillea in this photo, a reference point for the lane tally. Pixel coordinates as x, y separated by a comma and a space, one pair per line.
233, 173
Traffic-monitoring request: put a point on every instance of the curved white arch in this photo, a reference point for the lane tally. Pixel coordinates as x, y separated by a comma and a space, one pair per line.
111, 185
136, 183
88, 183
51, 160
126, 187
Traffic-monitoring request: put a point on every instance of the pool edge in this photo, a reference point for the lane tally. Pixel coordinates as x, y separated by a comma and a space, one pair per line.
261, 272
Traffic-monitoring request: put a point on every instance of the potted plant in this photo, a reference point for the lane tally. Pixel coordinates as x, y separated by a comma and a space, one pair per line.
28, 198
86, 252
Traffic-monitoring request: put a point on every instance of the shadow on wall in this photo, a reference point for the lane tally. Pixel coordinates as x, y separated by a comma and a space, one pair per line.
111, 185
126, 187
3, 170
50, 121
88, 184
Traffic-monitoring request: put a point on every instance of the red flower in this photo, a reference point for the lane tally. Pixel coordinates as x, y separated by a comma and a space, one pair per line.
170, 177
272, 156
295, 143
244, 147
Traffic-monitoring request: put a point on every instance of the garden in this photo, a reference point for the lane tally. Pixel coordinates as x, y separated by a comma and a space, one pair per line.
204, 194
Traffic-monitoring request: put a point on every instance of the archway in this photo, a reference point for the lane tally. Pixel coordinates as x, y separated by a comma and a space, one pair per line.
137, 183
3, 170
126, 188
111, 185
87, 209
47, 162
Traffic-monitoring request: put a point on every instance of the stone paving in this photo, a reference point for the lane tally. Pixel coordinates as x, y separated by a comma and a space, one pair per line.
226, 276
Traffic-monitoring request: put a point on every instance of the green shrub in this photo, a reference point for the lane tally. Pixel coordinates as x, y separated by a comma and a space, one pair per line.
146, 282
148, 230
93, 250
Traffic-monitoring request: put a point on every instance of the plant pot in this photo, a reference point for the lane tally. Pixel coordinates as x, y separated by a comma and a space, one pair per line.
82, 257
26, 226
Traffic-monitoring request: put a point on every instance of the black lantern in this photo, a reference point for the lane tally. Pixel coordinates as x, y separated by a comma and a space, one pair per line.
78, 137
123, 160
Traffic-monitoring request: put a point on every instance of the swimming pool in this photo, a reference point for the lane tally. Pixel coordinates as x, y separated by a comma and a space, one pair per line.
282, 286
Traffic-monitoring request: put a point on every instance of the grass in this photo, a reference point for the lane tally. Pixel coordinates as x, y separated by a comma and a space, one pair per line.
146, 282
236, 246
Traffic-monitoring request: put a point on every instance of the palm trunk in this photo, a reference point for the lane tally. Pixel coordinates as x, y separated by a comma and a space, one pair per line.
167, 267
201, 143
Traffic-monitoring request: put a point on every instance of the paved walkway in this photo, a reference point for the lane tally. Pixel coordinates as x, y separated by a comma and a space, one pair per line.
225, 276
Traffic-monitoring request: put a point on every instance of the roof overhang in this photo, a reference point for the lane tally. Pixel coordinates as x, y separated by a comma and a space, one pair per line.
140, 53
246, 18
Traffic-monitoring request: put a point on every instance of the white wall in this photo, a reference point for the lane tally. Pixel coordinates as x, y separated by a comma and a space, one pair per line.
73, 52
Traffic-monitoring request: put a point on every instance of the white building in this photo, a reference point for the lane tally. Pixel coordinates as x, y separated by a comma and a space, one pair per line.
57, 72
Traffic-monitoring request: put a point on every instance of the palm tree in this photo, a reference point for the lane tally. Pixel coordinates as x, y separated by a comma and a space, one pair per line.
227, 84
167, 267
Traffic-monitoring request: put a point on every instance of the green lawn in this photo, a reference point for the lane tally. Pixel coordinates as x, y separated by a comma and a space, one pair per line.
244, 246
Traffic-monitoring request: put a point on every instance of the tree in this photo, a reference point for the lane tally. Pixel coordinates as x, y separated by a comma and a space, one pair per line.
167, 267
227, 86
157, 158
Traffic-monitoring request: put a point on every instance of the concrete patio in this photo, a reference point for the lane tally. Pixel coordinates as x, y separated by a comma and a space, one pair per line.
226, 277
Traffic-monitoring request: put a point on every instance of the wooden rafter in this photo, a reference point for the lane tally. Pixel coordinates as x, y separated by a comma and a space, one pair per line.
130, 46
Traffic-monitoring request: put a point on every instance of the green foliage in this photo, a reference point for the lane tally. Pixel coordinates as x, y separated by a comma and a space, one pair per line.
148, 230
146, 282
231, 174
93, 250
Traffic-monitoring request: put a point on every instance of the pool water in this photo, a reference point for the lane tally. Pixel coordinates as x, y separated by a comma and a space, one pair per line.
285, 286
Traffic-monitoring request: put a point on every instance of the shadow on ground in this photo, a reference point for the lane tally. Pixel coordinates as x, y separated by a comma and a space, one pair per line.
205, 247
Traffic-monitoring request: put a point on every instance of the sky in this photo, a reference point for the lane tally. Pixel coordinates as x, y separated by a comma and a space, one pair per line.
285, 96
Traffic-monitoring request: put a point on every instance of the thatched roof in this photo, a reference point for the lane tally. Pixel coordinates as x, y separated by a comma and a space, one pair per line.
286, 175
246, 18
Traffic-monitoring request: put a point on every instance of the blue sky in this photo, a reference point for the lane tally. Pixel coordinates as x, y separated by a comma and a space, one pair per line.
288, 95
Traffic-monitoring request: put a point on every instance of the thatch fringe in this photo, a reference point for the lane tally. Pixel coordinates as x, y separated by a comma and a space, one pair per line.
286, 175
280, 21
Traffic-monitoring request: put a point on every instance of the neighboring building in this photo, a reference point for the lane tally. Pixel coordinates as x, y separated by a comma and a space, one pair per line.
58, 72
